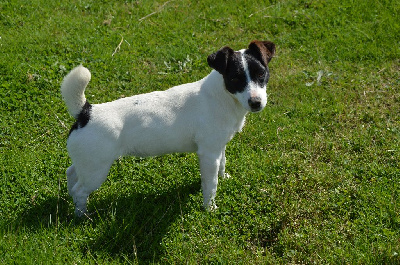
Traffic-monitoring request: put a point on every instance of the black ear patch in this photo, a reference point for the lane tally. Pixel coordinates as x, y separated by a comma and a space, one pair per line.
262, 51
219, 59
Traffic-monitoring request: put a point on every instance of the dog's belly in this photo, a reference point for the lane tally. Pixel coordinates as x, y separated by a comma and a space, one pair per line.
154, 143
162, 148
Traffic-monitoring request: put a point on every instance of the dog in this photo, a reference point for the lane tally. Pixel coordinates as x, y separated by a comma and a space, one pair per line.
199, 117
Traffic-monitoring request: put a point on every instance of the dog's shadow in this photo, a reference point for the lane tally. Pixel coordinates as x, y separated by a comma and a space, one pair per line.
130, 226
138, 223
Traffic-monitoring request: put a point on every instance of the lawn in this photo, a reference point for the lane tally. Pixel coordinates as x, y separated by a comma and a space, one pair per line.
315, 176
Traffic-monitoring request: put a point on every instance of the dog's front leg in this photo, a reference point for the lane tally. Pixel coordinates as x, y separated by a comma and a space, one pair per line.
221, 171
209, 166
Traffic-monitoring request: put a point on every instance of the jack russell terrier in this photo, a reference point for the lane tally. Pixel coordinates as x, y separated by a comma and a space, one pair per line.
199, 117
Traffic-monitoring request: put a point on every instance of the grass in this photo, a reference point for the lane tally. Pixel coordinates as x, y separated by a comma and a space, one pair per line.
315, 176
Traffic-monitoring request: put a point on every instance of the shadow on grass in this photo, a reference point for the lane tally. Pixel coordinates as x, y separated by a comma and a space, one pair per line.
136, 225
127, 227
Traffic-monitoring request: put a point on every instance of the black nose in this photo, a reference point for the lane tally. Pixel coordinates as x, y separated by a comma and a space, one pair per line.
255, 103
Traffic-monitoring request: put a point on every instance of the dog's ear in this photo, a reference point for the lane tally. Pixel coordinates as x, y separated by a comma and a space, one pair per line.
219, 59
262, 50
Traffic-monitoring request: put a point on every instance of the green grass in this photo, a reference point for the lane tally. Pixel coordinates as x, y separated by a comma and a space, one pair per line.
315, 176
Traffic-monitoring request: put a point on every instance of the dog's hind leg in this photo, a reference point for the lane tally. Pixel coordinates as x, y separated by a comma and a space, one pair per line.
72, 178
80, 196
89, 178
76, 191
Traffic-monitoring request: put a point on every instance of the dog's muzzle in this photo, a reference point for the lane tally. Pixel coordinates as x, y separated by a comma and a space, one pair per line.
255, 104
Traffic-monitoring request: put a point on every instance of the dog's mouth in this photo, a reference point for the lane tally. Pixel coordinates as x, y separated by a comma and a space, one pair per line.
256, 110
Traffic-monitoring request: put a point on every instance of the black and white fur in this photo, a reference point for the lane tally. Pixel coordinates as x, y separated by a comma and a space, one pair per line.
199, 117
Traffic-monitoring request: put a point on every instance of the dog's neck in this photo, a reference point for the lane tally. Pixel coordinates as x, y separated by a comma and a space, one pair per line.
215, 86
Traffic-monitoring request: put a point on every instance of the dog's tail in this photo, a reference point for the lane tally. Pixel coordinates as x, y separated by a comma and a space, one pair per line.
73, 89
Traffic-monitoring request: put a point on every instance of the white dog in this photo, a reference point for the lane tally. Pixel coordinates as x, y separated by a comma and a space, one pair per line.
199, 117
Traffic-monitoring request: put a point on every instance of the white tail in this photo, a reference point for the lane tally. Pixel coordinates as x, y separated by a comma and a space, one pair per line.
73, 89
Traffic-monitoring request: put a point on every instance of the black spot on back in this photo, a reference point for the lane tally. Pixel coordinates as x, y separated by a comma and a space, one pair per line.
83, 117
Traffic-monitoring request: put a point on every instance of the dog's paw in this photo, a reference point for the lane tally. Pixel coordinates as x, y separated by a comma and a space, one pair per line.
226, 176
80, 213
210, 207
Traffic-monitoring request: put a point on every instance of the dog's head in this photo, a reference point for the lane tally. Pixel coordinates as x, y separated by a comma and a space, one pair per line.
245, 72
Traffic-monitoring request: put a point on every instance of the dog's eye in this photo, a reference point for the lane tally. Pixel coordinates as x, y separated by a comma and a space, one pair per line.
261, 75
235, 80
